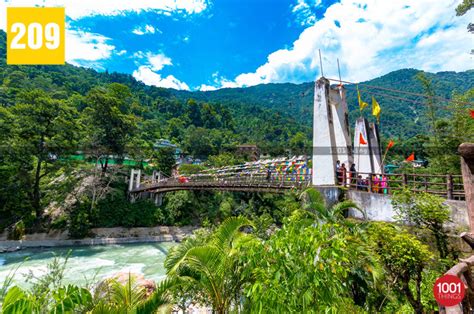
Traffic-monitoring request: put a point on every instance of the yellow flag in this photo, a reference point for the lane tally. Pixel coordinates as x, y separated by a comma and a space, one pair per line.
362, 104
376, 110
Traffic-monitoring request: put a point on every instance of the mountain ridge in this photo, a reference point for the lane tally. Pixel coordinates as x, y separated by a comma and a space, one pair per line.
292, 103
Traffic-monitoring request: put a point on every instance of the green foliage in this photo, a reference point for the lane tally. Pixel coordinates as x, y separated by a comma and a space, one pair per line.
17, 301
165, 160
18, 231
187, 169
463, 7
299, 269
404, 258
109, 120
425, 211
110, 296
79, 223
224, 159
71, 299
42, 130
206, 263
118, 211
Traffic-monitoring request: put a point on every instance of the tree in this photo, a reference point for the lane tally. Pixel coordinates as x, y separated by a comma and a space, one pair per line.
300, 268
165, 159
463, 7
299, 144
194, 113
224, 159
207, 264
48, 130
456, 129
15, 172
425, 211
109, 120
404, 259
198, 142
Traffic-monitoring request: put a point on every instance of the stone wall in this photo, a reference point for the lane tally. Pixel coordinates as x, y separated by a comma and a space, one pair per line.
117, 235
378, 207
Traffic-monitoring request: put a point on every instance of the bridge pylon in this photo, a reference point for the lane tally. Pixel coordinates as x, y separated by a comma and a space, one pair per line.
134, 181
367, 155
331, 140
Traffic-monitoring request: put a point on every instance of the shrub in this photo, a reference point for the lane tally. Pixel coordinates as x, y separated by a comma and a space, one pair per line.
79, 224
17, 231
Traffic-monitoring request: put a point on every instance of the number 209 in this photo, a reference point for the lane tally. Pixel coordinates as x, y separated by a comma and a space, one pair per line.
35, 36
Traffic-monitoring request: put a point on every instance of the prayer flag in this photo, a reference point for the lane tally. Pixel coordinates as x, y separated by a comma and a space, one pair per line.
376, 110
390, 144
362, 104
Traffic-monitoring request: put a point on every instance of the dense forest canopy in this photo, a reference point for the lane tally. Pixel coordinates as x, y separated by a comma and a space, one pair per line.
268, 115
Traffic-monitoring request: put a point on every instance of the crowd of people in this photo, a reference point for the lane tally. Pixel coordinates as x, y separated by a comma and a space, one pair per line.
350, 178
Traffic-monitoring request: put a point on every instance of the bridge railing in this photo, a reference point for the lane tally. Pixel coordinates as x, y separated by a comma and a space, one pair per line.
255, 179
447, 186
258, 178
463, 271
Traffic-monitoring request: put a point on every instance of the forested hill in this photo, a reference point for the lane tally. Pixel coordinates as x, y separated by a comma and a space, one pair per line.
268, 115
399, 118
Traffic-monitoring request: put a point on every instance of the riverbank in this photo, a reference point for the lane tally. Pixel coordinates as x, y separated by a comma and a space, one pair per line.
101, 236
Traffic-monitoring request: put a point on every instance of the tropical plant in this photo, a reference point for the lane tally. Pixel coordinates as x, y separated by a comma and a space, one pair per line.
210, 264
113, 296
67, 299
304, 267
313, 201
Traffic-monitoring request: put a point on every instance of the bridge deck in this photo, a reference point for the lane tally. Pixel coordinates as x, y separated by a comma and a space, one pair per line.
230, 184
447, 186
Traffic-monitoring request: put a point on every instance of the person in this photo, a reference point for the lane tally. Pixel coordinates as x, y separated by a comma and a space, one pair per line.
366, 184
343, 171
269, 174
338, 172
353, 174
376, 182
360, 183
384, 184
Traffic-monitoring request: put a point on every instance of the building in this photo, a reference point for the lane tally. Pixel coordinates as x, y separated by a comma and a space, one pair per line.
163, 143
249, 151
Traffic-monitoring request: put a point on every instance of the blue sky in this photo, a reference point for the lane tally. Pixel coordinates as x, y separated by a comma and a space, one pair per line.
209, 44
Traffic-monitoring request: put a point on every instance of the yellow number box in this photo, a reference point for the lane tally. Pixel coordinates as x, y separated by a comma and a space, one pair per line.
36, 35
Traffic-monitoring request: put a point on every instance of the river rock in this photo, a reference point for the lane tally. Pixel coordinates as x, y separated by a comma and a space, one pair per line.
123, 277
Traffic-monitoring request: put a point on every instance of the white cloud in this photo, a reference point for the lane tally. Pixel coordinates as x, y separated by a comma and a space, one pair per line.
147, 29
206, 88
149, 64
85, 49
77, 9
156, 62
88, 49
374, 38
303, 11
148, 76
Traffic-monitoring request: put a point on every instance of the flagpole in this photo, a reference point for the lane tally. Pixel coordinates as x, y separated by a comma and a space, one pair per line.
358, 157
385, 155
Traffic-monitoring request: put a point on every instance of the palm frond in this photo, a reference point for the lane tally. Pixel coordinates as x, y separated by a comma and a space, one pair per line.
177, 254
225, 234
340, 207
160, 297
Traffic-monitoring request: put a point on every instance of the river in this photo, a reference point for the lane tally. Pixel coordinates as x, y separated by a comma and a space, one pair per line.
88, 264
